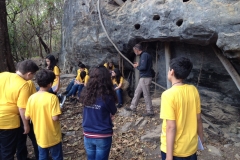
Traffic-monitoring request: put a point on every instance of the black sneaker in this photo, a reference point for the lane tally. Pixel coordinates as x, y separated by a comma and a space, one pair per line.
148, 115
65, 93
72, 99
75, 101
119, 105
130, 109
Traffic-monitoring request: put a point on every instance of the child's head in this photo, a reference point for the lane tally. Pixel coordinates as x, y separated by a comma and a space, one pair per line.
82, 74
116, 73
110, 64
82, 67
79, 63
27, 68
181, 66
99, 85
45, 78
51, 61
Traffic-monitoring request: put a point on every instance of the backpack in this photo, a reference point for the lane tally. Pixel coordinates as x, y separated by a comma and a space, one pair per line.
153, 73
125, 84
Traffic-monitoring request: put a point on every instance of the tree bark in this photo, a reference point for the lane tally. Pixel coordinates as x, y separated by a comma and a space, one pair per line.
45, 46
6, 58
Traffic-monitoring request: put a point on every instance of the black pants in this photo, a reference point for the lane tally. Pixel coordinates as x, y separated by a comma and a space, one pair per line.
8, 143
22, 146
192, 157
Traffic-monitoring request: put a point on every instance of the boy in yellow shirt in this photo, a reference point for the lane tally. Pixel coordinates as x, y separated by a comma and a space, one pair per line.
22, 152
14, 94
44, 110
181, 114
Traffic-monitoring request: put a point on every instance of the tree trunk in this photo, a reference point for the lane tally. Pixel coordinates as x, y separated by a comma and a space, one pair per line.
40, 49
47, 50
6, 59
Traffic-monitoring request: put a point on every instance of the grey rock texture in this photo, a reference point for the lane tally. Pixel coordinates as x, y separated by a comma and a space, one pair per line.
191, 28
153, 135
126, 127
213, 150
199, 22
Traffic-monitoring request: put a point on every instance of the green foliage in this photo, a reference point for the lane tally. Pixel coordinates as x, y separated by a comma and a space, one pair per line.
28, 20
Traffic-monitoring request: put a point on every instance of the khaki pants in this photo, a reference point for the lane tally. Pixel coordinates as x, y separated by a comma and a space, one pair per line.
143, 86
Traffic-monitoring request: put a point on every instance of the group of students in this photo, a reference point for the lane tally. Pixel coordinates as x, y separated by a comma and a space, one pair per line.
23, 111
19, 101
39, 107
75, 87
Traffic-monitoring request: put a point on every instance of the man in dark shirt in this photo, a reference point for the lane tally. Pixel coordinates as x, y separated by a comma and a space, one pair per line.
144, 66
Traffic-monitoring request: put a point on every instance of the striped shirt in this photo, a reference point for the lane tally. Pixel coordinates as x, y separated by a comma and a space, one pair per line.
96, 135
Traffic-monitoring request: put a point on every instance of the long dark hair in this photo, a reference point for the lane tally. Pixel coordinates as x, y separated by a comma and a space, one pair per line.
53, 62
82, 75
98, 86
118, 75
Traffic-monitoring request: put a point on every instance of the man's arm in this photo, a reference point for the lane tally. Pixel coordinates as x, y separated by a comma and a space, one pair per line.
25, 122
143, 62
199, 126
170, 136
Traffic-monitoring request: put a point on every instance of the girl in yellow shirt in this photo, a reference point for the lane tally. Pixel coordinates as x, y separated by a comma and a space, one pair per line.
109, 65
80, 82
51, 65
117, 81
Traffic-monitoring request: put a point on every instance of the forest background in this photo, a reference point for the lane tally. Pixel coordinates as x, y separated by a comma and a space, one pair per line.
28, 28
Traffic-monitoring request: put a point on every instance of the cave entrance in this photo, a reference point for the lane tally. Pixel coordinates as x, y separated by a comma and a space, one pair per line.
208, 71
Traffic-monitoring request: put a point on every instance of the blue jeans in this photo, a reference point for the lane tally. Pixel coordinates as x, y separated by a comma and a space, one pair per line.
73, 90
56, 152
119, 95
192, 157
80, 87
97, 148
70, 85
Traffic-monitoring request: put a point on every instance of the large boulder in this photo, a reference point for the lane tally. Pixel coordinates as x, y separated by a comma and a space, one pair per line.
192, 27
201, 22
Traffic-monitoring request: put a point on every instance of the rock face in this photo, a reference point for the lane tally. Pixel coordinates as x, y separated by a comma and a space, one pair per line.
191, 27
181, 22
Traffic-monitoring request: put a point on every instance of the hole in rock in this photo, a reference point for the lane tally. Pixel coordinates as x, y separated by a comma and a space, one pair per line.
83, 4
137, 26
179, 22
185, 0
115, 29
156, 17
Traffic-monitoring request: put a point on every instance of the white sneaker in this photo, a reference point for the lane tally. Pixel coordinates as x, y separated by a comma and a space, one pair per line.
62, 101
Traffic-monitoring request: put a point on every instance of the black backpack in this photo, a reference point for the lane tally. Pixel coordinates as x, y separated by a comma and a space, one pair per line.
153, 73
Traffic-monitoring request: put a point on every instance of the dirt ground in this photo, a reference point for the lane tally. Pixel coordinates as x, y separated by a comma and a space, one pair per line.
127, 146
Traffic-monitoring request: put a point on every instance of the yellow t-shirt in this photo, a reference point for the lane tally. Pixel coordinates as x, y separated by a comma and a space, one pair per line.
182, 104
105, 65
32, 87
79, 71
14, 93
41, 107
57, 74
85, 80
114, 81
